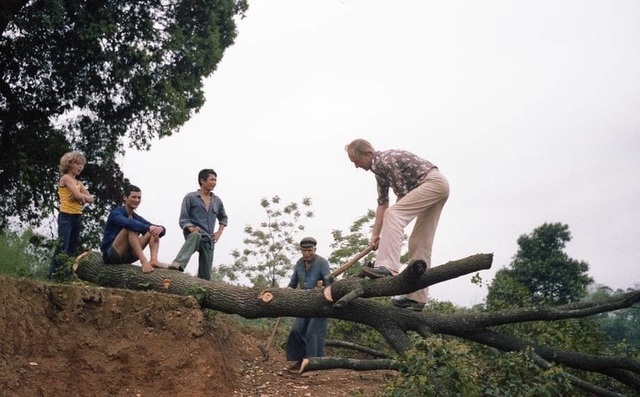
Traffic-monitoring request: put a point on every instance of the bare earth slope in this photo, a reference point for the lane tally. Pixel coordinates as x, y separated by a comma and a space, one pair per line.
73, 340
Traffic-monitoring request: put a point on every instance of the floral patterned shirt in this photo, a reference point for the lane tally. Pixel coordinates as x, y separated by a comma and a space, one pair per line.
399, 170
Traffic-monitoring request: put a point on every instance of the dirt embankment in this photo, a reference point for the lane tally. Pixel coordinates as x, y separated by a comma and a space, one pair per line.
73, 340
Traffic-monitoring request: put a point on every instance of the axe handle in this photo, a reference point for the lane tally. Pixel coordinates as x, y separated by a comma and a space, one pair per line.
352, 261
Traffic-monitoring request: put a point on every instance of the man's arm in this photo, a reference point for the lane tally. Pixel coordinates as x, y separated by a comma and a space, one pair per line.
377, 225
326, 272
216, 235
294, 278
135, 223
222, 221
184, 220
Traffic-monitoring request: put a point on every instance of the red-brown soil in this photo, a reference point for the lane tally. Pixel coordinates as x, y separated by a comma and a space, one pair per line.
76, 340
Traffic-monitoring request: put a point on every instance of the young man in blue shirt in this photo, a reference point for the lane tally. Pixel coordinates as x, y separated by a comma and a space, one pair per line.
127, 234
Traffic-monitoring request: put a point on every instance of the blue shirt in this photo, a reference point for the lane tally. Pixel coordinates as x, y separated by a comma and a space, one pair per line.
194, 213
308, 278
119, 219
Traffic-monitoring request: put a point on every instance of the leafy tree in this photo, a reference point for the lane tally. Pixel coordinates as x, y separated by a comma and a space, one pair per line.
269, 247
622, 326
547, 274
97, 76
347, 245
543, 274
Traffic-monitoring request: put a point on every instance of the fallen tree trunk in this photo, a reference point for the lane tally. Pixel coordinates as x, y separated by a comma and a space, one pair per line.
356, 347
392, 323
321, 363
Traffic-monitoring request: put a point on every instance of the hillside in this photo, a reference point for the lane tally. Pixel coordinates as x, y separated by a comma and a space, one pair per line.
75, 340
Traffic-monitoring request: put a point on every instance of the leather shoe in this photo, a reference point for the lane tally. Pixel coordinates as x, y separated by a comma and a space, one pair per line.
376, 272
404, 302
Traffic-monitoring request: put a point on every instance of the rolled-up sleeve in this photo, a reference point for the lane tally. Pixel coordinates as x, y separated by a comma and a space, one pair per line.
222, 214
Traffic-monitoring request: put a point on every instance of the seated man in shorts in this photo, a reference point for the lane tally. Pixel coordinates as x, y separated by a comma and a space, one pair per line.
127, 234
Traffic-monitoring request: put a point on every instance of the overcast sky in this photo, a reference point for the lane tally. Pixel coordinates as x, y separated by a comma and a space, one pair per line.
531, 110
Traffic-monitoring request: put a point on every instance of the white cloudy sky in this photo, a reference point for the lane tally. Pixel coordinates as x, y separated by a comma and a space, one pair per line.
530, 109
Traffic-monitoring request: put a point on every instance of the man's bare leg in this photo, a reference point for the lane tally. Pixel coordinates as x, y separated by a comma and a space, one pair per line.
154, 248
76, 263
138, 244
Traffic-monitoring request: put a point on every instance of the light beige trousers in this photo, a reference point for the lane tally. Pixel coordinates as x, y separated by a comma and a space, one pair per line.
424, 204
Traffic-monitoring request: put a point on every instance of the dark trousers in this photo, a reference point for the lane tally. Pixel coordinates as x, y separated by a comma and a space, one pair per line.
307, 338
68, 239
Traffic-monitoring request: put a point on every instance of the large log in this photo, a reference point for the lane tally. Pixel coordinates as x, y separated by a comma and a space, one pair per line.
391, 322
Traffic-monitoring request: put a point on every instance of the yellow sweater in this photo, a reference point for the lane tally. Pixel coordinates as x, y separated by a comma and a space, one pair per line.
68, 204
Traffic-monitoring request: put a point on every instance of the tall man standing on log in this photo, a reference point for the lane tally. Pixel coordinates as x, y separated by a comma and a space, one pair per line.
421, 192
198, 215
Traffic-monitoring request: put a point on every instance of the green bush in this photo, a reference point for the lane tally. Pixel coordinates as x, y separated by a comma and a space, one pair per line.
22, 255
446, 367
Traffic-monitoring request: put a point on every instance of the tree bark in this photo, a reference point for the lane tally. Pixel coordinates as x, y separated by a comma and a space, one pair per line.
321, 363
392, 323
356, 347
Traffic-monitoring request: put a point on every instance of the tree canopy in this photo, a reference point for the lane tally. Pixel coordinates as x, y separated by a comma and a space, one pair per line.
97, 76
542, 271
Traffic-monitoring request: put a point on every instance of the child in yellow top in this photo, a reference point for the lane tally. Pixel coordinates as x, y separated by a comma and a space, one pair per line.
73, 195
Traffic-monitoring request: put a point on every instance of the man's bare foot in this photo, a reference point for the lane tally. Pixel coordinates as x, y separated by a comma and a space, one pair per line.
305, 362
78, 259
147, 268
159, 265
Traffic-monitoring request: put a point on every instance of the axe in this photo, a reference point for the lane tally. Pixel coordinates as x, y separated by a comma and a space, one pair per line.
349, 263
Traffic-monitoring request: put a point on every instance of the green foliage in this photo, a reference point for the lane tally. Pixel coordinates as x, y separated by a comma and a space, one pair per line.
573, 334
210, 315
197, 292
505, 292
266, 258
449, 367
98, 76
516, 374
20, 257
347, 244
64, 273
545, 270
543, 274
621, 326
356, 333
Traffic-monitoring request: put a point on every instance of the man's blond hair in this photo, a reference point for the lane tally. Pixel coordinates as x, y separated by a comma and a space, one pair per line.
359, 147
